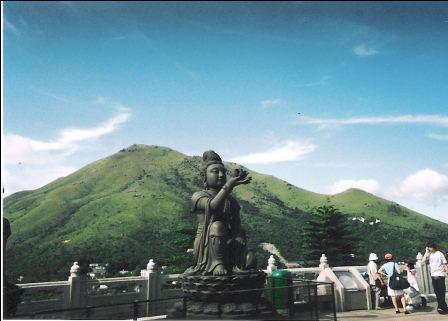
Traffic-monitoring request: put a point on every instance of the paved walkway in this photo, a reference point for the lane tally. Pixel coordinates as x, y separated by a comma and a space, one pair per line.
427, 313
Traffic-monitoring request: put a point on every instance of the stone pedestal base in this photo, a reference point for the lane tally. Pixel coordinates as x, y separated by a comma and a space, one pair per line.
237, 296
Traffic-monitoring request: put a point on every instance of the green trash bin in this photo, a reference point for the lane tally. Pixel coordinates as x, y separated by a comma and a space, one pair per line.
282, 298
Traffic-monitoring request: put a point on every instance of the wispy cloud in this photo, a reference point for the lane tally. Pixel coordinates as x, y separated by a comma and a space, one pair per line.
437, 120
245, 33
426, 186
54, 96
30, 163
140, 35
443, 138
190, 73
364, 51
11, 27
68, 137
322, 82
368, 185
289, 151
19, 148
272, 103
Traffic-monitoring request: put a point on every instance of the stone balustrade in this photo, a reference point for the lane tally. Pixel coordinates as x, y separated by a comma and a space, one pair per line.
81, 291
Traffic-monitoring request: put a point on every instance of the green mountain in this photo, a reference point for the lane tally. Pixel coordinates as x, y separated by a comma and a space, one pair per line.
135, 205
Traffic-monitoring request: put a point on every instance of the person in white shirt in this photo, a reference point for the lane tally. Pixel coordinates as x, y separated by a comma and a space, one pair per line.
438, 267
374, 281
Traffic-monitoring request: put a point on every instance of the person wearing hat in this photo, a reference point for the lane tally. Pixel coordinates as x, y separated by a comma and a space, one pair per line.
374, 279
438, 267
388, 268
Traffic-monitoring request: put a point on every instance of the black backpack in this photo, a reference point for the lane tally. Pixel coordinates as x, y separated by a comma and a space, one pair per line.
397, 282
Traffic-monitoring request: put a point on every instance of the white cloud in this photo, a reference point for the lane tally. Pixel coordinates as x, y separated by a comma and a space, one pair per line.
439, 120
322, 82
364, 51
443, 138
425, 185
368, 185
290, 151
67, 137
30, 163
271, 103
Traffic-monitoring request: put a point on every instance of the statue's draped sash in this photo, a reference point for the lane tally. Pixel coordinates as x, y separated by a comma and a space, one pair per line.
228, 214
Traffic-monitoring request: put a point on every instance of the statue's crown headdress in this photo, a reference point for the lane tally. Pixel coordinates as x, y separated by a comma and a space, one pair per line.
210, 157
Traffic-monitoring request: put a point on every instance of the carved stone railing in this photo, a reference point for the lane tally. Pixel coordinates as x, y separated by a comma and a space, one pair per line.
79, 291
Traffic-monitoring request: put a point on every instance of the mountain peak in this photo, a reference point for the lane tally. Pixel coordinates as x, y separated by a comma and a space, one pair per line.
143, 147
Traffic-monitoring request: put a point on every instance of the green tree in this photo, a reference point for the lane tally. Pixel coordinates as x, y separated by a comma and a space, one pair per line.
328, 232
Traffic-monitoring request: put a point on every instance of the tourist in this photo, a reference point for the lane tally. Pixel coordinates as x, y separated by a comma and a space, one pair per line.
438, 267
389, 268
411, 272
412, 294
374, 279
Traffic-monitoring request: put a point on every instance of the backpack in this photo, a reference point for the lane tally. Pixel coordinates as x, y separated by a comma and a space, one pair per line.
397, 282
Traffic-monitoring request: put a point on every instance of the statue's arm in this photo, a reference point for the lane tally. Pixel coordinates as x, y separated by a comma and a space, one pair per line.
219, 199
200, 199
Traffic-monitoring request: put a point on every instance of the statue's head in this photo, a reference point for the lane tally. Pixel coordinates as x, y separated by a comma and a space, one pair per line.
213, 170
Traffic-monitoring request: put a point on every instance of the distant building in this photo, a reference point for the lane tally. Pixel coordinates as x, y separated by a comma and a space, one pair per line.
98, 270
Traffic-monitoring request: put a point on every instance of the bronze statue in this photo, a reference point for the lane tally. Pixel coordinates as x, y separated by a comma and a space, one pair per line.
220, 244
224, 281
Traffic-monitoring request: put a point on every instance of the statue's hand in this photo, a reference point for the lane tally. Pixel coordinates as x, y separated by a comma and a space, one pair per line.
241, 178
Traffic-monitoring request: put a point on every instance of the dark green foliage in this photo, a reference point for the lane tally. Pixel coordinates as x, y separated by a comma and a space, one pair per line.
328, 232
135, 205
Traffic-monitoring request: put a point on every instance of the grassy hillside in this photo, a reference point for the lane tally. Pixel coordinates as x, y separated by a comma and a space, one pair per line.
135, 205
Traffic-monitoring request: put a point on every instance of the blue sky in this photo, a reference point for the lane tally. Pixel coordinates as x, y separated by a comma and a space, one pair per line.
327, 96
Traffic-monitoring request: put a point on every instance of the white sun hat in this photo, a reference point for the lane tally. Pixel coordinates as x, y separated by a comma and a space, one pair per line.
373, 257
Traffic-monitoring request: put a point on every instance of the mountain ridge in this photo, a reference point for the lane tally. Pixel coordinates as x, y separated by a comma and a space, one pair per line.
135, 204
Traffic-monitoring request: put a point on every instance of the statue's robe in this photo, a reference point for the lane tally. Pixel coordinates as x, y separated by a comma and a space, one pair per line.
228, 214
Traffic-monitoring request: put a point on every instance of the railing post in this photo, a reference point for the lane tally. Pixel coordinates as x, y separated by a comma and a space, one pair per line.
333, 296
76, 292
153, 285
88, 312
271, 265
423, 276
323, 262
135, 310
310, 304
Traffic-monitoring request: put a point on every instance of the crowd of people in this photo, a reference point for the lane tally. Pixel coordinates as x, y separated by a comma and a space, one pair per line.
388, 281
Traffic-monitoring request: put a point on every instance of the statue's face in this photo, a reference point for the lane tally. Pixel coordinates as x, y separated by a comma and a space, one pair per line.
216, 176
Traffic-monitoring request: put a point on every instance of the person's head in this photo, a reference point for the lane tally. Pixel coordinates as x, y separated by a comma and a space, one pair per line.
213, 170
388, 257
373, 257
410, 266
432, 247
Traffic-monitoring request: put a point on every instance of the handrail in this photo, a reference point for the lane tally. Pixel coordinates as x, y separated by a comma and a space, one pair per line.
137, 302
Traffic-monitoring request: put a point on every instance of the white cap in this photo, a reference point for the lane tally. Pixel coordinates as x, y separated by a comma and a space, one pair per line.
373, 257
